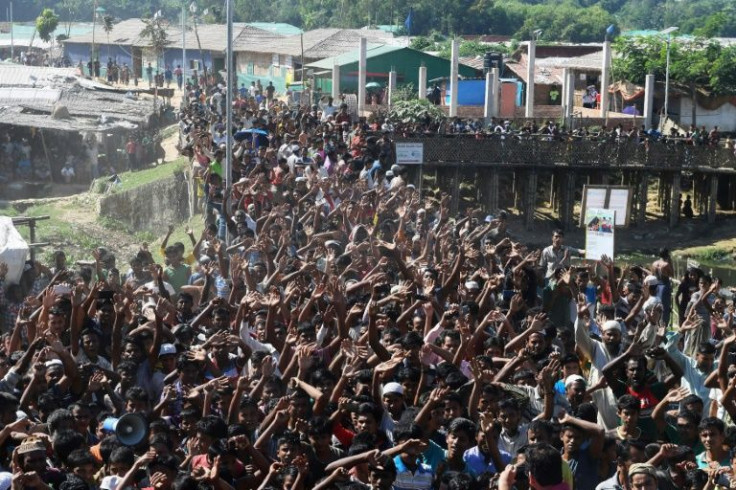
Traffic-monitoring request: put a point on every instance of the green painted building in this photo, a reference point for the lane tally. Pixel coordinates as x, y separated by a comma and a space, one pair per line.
380, 60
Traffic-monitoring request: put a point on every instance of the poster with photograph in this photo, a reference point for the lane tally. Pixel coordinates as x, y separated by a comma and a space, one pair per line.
599, 233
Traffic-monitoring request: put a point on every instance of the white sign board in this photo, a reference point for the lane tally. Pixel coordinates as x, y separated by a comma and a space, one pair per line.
599, 233
618, 200
615, 198
409, 153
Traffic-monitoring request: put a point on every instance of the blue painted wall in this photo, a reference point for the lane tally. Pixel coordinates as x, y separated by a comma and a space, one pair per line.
80, 52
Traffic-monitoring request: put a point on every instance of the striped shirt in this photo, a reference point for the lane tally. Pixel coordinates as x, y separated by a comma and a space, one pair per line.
420, 479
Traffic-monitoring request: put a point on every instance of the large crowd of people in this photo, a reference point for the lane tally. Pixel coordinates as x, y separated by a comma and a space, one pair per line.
333, 328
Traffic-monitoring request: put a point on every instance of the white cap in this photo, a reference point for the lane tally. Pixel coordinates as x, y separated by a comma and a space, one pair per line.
612, 325
651, 280
394, 388
573, 378
108, 483
472, 285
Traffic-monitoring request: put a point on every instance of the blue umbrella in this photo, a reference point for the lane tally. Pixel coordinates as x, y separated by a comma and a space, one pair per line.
259, 136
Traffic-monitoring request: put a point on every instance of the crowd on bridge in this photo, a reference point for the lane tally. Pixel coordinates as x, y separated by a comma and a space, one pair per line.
331, 327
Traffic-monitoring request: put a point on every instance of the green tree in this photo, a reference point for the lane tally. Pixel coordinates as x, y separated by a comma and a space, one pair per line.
46, 24
107, 26
155, 32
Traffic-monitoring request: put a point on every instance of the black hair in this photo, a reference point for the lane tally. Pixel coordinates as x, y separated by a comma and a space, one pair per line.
628, 402
462, 425
410, 431
136, 394
212, 426
712, 423
122, 455
57, 418
65, 442
108, 445
542, 426
544, 463
80, 457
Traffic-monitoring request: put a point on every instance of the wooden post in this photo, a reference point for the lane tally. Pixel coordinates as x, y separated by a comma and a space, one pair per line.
674, 216
492, 191
454, 206
567, 199
641, 211
530, 201
713, 180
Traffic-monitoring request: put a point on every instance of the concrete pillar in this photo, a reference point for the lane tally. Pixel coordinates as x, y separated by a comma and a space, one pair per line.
454, 61
496, 105
530, 78
566, 110
422, 82
648, 101
713, 194
605, 78
530, 200
675, 199
361, 75
391, 86
488, 105
336, 82
570, 98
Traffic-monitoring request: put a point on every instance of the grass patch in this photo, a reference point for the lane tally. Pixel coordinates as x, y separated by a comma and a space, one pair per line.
132, 180
711, 254
60, 233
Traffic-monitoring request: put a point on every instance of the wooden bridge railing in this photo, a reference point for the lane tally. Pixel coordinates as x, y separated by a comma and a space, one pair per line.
536, 151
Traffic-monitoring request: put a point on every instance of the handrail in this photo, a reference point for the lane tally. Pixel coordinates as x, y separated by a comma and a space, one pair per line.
545, 150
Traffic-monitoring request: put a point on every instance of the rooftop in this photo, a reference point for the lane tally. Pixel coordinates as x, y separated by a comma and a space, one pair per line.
318, 43
30, 95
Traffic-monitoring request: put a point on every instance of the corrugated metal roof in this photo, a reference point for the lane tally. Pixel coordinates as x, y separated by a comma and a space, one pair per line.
472, 61
28, 95
318, 43
353, 56
12, 75
544, 73
125, 33
280, 28
212, 37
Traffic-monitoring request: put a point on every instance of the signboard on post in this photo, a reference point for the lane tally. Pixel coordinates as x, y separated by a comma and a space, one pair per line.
613, 197
409, 153
599, 233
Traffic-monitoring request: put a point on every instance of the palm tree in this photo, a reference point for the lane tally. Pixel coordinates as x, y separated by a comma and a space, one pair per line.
107, 25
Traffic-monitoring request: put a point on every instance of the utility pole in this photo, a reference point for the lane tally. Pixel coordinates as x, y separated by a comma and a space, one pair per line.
183, 39
12, 40
229, 98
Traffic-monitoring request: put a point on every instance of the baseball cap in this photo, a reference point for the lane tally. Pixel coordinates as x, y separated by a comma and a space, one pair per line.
394, 388
31, 444
167, 350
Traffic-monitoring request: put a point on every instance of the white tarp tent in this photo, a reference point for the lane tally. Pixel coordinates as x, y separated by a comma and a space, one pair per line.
13, 250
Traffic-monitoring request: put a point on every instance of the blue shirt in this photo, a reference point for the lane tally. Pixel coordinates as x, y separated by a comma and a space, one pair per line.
476, 463
421, 479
